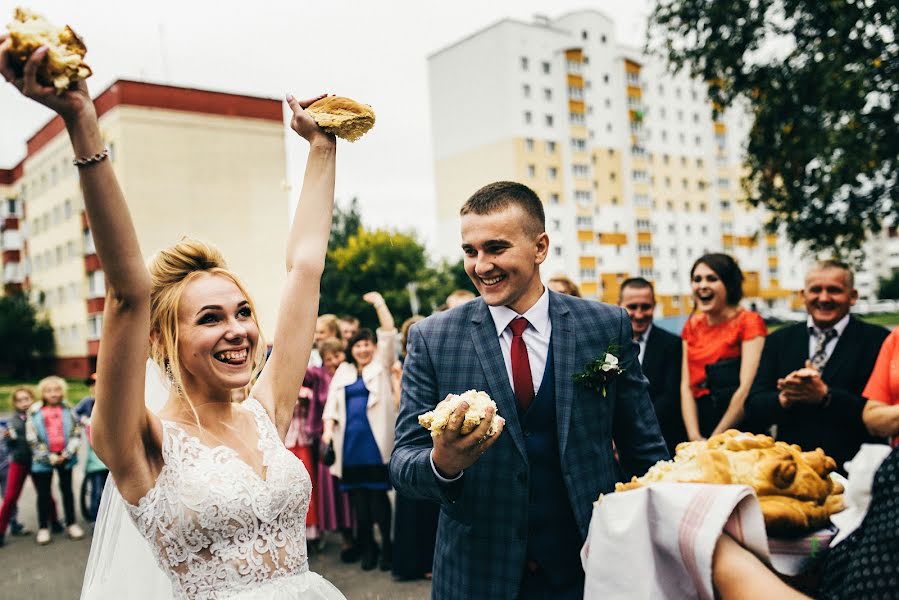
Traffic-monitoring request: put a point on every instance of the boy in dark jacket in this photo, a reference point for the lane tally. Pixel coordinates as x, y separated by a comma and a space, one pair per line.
19, 455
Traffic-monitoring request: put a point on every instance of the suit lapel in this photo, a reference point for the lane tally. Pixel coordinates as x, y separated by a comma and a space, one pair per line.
650, 353
490, 356
563, 343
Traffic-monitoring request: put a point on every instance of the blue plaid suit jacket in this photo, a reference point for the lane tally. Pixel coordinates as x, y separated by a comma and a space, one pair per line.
482, 532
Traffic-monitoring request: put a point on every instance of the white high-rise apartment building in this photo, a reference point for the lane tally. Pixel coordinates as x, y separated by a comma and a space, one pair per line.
636, 176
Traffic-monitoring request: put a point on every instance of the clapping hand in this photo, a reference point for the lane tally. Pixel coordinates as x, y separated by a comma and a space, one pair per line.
803, 386
455, 451
374, 298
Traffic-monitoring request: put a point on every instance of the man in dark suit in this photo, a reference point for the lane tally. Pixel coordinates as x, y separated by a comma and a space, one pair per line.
811, 375
660, 358
515, 506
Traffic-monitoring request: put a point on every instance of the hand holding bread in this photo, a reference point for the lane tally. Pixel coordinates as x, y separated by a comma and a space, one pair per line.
343, 117
463, 427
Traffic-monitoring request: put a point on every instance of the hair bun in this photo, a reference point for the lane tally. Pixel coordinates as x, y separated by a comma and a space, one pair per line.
187, 256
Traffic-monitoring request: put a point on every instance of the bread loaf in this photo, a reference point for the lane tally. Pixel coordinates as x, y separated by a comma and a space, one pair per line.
478, 402
64, 64
343, 117
794, 487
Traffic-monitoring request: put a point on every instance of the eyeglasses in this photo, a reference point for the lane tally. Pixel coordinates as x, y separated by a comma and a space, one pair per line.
643, 307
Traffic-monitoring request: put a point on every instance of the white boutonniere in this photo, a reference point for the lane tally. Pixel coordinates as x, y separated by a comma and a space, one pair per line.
600, 371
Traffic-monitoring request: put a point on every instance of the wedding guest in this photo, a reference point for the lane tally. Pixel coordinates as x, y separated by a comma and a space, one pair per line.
349, 326
326, 326
19, 462
862, 566
563, 285
300, 442
881, 413
719, 337
95, 472
812, 375
359, 418
415, 529
334, 510
54, 432
458, 298
660, 358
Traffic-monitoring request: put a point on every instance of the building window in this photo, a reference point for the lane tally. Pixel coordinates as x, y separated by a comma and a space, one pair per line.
554, 198
549, 120
583, 197
579, 144
526, 90
67, 209
557, 224
545, 66
94, 326
71, 250
605, 78
524, 63
552, 172
642, 225
584, 222
725, 204
580, 170
550, 147
727, 227
547, 94
96, 286
527, 117
557, 251
532, 171
529, 144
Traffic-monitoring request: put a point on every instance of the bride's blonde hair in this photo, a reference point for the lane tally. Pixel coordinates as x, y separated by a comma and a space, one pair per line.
170, 272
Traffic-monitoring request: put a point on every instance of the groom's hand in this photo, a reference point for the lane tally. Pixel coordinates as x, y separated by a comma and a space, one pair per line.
455, 451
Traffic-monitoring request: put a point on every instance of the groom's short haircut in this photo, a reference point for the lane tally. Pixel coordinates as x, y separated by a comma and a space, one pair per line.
500, 195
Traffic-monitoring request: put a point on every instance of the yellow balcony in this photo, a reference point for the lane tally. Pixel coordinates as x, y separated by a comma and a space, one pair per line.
613, 239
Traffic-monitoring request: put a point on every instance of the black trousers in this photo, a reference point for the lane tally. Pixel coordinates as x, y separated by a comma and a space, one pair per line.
43, 481
372, 507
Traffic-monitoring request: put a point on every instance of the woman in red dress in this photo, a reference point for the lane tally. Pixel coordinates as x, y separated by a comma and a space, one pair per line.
719, 330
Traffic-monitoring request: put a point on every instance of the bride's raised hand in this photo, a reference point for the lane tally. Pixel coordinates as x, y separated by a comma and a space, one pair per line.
70, 105
303, 123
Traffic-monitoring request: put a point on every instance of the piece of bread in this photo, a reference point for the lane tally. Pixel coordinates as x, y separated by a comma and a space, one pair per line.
64, 64
436, 420
795, 487
343, 117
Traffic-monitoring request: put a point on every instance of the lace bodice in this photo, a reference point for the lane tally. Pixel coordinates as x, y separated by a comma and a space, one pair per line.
215, 526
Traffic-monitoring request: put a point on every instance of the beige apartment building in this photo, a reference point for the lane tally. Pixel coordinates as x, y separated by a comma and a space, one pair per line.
636, 174
196, 163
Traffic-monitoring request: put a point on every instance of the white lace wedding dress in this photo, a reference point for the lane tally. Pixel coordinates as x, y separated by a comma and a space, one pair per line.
216, 528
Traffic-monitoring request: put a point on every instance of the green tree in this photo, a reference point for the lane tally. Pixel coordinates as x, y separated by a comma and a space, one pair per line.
372, 260
821, 78
23, 336
888, 289
345, 222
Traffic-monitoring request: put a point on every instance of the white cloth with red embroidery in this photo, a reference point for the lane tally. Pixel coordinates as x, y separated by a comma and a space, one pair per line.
657, 541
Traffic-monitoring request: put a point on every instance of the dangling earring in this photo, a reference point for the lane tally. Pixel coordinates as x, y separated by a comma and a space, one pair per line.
170, 375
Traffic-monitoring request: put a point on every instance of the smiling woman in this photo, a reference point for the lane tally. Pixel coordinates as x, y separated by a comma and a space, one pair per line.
721, 338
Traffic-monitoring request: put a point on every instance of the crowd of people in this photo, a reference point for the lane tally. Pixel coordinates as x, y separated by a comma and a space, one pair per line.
42, 438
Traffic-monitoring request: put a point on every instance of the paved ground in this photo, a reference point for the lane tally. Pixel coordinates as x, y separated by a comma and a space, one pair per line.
32, 572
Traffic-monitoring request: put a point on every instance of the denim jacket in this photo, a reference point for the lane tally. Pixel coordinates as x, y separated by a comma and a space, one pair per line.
37, 436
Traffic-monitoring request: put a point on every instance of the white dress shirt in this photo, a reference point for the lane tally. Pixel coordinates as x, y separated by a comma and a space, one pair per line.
536, 336
840, 327
641, 341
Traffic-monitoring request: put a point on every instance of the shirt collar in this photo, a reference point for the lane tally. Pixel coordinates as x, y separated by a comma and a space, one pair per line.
537, 315
840, 327
645, 335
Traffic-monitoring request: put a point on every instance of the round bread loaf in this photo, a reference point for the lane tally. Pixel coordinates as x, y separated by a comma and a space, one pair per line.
344, 117
64, 64
478, 402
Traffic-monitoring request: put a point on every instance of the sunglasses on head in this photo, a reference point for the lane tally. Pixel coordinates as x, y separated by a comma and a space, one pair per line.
643, 307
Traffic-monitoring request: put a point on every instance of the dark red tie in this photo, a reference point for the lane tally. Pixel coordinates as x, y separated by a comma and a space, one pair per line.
522, 381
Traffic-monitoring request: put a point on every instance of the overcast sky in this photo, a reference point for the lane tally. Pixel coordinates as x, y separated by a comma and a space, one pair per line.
375, 52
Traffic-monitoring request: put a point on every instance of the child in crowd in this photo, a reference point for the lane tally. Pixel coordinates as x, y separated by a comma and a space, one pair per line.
326, 326
15, 462
54, 432
334, 513
15, 439
95, 472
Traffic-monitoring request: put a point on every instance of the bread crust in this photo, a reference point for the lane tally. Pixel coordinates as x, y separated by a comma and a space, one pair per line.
344, 117
64, 64
478, 402
794, 487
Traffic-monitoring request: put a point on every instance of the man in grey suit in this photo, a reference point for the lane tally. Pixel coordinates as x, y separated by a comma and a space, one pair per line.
515, 507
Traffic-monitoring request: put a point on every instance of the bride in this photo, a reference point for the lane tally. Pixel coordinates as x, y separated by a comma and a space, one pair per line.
209, 485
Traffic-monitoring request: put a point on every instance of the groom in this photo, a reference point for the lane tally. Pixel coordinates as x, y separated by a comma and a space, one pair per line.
515, 507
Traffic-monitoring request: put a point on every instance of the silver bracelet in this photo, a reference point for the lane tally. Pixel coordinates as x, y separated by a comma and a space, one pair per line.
92, 160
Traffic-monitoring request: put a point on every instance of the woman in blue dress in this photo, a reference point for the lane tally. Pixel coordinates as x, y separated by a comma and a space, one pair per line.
359, 417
